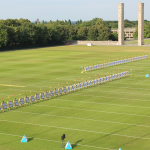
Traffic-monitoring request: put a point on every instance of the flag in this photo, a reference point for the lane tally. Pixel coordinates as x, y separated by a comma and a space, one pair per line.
32, 98
112, 77
47, 94
90, 82
64, 89
120, 75
117, 75
100, 80
96, 66
103, 79
83, 84
10, 104
106, 79
76, 86
93, 81
69, 89
97, 81
16, 102
37, 96
56, 92
51, 93
22, 101
125, 73
27, 100
80, 85
87, 83
72, 87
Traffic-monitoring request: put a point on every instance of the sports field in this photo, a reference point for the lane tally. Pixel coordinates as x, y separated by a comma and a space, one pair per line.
106, 117
146, 42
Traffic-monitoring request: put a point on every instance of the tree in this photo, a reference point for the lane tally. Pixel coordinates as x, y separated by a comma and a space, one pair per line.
73, 33
147, 30
26, 34
69, 22
135, 34
3, 37
82, 33
80, 21
99, 32
114, 36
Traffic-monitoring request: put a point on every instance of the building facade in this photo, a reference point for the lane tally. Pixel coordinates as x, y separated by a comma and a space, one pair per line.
128, 32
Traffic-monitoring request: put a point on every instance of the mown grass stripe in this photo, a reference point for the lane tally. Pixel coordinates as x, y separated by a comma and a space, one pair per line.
140, 125
93, 110
58, 141
128, 136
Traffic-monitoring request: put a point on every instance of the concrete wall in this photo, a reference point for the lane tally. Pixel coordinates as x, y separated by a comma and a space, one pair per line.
80, 42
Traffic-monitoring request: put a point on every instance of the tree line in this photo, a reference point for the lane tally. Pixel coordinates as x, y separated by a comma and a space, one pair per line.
23, 33
146, 30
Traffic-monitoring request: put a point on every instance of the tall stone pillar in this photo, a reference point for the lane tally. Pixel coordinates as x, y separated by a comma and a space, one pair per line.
121, 24
141, 24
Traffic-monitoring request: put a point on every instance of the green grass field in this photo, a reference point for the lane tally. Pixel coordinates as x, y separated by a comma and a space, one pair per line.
146, 41
105, 117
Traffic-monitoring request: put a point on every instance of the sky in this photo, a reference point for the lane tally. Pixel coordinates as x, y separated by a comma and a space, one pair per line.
71, 9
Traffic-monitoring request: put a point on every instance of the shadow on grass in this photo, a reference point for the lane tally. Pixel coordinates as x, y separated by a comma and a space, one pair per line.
30, 139
116, 132
76, 143
132, 141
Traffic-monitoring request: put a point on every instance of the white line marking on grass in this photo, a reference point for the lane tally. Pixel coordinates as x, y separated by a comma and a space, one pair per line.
84, 119
75, 129
57, 141
115, 98
119, 92
24, 90
40, 85
130, 83
6, 94
103, 103
93, 110
140, 75
138, 80
128, 88
11, 85
68, 76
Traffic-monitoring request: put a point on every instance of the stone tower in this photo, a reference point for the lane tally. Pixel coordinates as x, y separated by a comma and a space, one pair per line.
121, 24
141, 24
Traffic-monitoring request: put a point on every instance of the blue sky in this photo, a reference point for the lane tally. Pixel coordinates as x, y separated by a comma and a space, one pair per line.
70, 9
